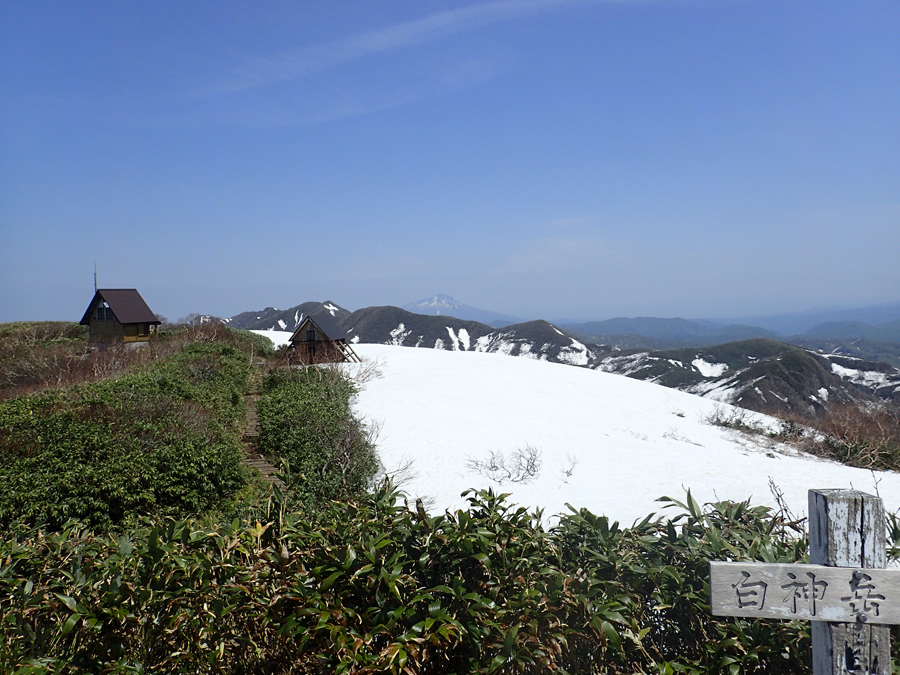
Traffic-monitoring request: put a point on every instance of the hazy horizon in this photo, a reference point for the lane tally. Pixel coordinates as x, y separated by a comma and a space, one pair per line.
787, 318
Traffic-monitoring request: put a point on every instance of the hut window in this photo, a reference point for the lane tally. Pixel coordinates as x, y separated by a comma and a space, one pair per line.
310, 335
104, 313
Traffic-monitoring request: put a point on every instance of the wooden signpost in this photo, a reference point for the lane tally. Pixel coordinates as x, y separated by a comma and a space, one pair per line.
845, 590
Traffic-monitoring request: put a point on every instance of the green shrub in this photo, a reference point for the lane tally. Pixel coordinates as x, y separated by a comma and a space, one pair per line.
372, 586
162, 440
305, 420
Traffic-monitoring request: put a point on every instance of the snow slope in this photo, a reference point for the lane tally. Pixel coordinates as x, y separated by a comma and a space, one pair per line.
623, 442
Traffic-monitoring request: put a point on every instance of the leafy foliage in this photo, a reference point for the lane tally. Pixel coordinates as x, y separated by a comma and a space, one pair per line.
375, 586
305, 420
163, 439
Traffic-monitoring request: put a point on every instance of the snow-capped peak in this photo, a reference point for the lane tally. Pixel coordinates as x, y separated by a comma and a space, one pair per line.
439, 304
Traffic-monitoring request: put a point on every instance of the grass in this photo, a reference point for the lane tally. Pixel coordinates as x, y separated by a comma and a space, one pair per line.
860, 435
108, 436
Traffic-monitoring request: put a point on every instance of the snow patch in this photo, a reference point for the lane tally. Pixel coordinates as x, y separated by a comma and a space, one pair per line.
495, 343
624, 365
525, 350
866, 378
399, 334
331, 308
841, 371
575, 355
450, 406
453, 340
483, 343
717, 390
505, 347
459, 342
282, 324
707, 369
464, 339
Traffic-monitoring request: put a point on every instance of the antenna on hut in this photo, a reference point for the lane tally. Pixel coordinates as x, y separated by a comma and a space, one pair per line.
95, 277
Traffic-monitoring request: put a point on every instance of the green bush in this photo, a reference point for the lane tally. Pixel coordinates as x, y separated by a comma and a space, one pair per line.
162, 440
305, 420
372, 586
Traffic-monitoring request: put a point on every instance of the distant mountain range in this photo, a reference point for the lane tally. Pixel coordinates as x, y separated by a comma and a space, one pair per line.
802, 322
444, 305
760, 373
850, 338
661, 333
880, 327
884, 332
393, 325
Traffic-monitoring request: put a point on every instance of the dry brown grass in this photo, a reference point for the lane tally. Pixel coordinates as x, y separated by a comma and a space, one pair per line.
862, 435
35, 356
865, 435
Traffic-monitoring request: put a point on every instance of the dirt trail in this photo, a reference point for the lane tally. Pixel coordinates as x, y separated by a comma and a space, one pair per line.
250, 436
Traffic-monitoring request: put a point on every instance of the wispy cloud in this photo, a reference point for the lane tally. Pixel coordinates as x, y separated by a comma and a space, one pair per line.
305, 61
359, 74
439, 82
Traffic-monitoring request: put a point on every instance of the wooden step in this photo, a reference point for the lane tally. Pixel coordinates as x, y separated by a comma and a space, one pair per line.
249, 437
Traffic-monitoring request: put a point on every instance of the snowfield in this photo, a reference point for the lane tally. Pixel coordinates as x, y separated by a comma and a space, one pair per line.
605, 442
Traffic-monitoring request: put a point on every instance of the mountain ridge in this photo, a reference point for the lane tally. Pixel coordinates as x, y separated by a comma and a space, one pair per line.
761, 373
636, 332
445, 305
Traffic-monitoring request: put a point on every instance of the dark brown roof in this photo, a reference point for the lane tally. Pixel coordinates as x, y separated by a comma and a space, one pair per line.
126, 304
331, 331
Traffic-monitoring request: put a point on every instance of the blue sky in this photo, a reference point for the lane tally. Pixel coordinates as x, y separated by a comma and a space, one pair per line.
541, 158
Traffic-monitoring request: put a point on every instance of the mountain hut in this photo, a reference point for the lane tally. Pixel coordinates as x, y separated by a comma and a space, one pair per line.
310, 344
119, 315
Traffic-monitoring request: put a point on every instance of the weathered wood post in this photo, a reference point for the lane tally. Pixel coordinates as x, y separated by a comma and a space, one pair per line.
846, 529
844, 590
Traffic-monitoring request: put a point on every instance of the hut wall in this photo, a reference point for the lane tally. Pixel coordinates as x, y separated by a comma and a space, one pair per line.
323, 351
136, 332
106, 330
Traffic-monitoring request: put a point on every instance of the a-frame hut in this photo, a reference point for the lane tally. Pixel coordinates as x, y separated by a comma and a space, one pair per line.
311, 344
119, 315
